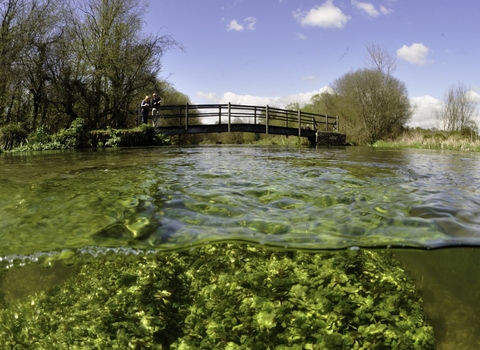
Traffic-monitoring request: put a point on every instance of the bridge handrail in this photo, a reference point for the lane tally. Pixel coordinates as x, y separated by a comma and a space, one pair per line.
191, 114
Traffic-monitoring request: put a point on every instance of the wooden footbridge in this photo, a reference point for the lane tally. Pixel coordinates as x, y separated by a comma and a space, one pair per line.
319, 129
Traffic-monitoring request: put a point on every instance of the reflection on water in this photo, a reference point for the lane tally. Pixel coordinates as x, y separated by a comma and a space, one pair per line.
56, 206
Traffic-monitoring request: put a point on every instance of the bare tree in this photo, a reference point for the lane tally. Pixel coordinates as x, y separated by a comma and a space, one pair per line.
109, 62
458, 111
381, 59
12, 42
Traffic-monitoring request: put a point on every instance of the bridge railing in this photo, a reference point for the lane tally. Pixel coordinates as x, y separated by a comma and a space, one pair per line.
208, 114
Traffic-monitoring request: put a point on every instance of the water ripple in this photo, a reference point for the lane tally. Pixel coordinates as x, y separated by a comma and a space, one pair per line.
172, 198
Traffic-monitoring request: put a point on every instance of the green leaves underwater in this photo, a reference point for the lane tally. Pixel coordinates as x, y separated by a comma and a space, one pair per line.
225, 297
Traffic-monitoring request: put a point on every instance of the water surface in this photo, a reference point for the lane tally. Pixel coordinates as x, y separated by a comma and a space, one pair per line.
170, 198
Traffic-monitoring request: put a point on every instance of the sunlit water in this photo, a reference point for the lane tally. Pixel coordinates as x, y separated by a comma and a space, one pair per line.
171, 198
166, 198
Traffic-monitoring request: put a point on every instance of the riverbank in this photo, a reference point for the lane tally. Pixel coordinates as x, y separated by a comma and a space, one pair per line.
434, 140
15, 139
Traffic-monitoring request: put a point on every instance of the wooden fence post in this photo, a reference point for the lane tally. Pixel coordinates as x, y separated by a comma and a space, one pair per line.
267, 117
229, 115
299, 112
326, 122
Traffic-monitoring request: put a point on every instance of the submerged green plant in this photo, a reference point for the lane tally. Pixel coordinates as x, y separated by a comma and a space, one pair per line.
255, 299
225, 297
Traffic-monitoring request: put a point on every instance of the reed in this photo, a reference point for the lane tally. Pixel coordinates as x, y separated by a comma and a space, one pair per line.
433, 140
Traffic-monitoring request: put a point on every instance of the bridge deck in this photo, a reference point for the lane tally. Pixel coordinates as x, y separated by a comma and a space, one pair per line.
218, 118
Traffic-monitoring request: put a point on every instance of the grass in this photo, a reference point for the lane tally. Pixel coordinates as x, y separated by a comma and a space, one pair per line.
433, 140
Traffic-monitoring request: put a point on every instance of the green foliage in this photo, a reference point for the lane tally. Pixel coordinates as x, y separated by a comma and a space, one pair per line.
76, 137
255, 299
373, 105
114, 138
40, 135
113, 303
77, 59
72, 136
12, 135
225, 297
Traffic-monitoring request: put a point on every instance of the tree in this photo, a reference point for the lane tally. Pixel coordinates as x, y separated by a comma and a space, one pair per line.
373, 104
458, 110
44, 25
117, 62
90, 59
379, 58
23, 28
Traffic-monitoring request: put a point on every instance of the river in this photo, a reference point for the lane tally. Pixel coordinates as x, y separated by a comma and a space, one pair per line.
407, 201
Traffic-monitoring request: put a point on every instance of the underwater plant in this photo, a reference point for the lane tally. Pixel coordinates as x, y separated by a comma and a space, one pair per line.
225, 296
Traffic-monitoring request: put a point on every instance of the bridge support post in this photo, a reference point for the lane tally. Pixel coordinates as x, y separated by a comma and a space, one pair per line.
267, 117
326, 122
299, 113
229, 115
186, 118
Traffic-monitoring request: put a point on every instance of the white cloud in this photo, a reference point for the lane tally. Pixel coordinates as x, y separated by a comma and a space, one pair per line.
325, 16
238, 27
250, 23
279, 101
301, 36
415, 53
366, 7
234, 25
384, 10
425, 108
309, 78
473, 96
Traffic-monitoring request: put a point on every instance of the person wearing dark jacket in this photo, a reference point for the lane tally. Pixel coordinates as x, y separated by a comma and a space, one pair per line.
156, 100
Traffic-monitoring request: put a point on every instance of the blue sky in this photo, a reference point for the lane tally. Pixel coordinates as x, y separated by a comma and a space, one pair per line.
281, 51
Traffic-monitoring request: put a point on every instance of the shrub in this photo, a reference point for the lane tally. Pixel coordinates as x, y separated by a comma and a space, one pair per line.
39, 136
12, 135
73, 136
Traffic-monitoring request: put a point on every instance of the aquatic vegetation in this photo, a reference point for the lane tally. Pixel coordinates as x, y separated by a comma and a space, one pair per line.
225, 296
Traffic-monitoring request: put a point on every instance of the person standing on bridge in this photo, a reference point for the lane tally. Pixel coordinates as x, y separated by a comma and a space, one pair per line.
145, 109
156, 100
